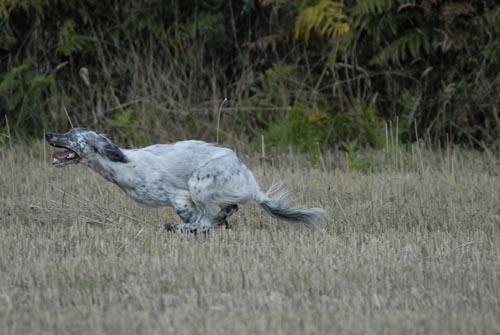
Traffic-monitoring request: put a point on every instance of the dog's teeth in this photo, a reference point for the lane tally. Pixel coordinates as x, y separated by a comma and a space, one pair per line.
71, 155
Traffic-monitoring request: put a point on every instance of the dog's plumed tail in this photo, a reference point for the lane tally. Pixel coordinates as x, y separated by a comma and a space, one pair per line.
275, 202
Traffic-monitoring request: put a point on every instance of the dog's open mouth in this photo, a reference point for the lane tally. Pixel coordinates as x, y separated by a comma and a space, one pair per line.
66, 156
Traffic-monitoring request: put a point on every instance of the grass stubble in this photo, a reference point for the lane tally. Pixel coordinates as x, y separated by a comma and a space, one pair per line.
411, 249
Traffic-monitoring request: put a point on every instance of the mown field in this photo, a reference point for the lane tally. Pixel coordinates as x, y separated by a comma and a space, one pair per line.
411, 248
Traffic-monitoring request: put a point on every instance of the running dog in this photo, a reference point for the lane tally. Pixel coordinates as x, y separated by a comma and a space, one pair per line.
203, 182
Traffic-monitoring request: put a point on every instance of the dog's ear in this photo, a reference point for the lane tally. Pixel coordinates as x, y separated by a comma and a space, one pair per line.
114, 153
110, 150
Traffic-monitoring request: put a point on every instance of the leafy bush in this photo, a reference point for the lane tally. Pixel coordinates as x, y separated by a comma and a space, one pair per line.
23, 95
307, 73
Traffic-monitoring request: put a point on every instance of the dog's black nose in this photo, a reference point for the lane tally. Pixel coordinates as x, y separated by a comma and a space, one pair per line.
48, 136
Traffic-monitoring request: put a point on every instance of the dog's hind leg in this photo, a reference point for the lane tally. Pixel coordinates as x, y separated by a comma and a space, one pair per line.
223, 182
199, 217
224, 214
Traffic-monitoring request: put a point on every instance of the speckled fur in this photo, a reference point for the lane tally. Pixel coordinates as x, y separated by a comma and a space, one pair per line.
202, 181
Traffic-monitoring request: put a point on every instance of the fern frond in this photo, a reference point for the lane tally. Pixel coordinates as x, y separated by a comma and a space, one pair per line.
364, 7
489, 21
326, 18
412, 44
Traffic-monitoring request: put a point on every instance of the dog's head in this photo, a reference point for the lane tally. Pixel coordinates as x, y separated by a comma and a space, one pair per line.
83, 145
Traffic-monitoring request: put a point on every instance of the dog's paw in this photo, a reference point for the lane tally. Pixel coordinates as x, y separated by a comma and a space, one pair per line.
231, 209
172, 227
226, 224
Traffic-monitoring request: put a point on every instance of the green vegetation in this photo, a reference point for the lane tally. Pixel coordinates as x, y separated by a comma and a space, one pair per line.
311, 74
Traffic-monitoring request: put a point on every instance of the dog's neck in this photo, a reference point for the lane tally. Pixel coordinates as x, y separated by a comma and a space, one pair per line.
107, 168
125, 175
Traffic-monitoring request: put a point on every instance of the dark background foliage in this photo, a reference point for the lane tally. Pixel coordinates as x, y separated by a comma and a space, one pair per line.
311, 74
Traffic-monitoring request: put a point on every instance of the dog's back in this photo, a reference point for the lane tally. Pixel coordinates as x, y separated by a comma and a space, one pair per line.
173, 163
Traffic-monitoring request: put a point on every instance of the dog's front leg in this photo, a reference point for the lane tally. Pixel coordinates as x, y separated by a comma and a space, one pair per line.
184, 206
198, 226
202, 224
186, 227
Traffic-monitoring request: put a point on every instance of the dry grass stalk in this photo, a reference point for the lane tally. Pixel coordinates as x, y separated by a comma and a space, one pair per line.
412, 249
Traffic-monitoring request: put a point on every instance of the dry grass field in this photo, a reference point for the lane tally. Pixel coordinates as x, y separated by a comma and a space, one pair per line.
412, 248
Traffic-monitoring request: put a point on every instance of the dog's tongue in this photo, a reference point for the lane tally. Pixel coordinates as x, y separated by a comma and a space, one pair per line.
61, 154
